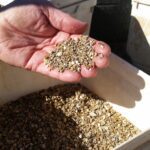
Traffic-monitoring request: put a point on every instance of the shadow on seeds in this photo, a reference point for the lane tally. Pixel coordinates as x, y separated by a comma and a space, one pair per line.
31, 123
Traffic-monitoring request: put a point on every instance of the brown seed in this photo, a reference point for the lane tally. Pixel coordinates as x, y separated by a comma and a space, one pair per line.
63, 117
72, 54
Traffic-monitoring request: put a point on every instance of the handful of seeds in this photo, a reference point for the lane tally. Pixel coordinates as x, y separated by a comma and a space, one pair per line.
72, 54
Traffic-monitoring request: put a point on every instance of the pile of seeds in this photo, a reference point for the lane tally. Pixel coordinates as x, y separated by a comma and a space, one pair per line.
71, 54
64, 117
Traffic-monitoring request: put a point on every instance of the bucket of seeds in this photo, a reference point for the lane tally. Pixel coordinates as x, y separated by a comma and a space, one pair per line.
110, 111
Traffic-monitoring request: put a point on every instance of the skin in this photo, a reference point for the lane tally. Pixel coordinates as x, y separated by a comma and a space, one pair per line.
29, 32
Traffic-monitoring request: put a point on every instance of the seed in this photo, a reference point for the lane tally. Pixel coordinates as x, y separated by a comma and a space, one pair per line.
80, 136
92, 114
59, 54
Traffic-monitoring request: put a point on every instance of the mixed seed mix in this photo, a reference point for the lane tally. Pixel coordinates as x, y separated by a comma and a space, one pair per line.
64, 117
71, 54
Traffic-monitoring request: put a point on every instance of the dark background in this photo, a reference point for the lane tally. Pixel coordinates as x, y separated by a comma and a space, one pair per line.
110, 23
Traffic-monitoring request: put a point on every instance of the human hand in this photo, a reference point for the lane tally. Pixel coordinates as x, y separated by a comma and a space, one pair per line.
29, 31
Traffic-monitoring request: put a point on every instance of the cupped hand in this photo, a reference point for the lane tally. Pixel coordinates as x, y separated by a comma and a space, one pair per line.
28, 32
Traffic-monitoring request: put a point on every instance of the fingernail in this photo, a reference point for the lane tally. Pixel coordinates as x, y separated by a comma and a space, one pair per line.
101, 46
100, 55
90, 69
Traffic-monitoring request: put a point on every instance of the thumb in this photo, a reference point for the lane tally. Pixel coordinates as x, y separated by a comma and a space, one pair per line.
64, 22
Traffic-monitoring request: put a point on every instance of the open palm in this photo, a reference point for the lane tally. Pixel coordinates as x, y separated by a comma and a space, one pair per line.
28, 32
